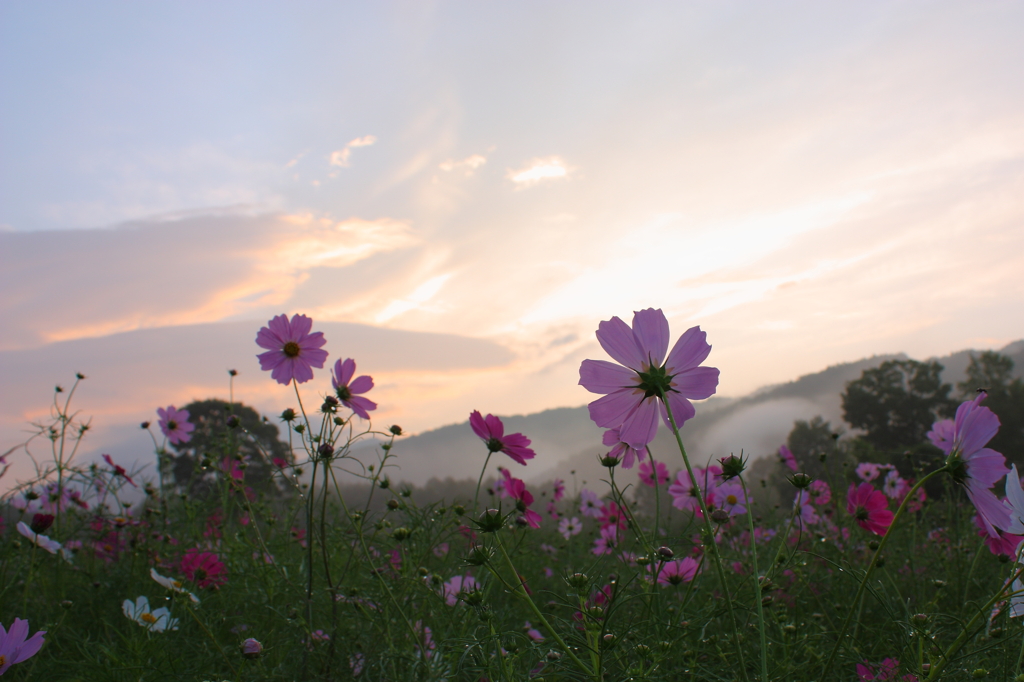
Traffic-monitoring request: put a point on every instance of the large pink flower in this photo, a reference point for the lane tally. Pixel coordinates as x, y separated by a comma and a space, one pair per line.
175, 424
676, 572
348, 393
632, 388
684, 492
292, 352
14, 647
516, 489
869, 507
205, 569
972, 465
492, 431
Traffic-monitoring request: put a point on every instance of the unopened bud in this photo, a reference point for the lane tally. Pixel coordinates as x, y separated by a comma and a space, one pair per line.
395, 430
665, 552
251, 648
720, 516
801, 481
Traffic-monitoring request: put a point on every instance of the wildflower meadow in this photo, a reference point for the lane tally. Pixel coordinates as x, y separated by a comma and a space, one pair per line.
282, 548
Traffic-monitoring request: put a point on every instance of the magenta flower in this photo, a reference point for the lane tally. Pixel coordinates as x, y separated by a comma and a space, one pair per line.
622, 451
869, 507
348, 393
292, 352
820, 492
787, 458
559, 489
606, 542
175, 424
653, 473
492, 431
971, 464
684, 492
14, 647
611, 515
120, 471
677, 572
204, 569
632, 388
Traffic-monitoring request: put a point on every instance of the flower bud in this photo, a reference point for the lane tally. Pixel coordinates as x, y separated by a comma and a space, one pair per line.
233, 424
610, 462
393, 504
608, 641
720, 516
288, 415
251, 648
41, 522
491, 521
665, 552
400, 533
330, 405
579, 582
325, 450
479, 556
801, 481
732, 466
553, 655
144, 425
395, 430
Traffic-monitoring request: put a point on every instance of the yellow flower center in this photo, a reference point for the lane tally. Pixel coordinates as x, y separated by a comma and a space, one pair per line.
177, 584
3, 660
732, 499
148, 617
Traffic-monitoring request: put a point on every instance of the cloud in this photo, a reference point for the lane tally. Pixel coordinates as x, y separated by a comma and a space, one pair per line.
87, 283
539, 170
467, 165
341, 156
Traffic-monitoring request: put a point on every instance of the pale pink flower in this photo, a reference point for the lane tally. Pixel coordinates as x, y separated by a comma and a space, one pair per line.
974, 466
51, 546
16, 646
175, 425
820, 492
677, 572
348, 389
632, 388
894, 486
590, 503
729, 497
570, 527
867, 471
292, 351
684, 492
559, 489
453, 589
807, 515
492, 431
606, 542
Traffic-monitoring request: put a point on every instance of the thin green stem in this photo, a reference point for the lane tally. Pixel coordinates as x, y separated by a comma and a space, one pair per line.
476, 496
520, 591
757, 585
212, 639
870, 569
709, 534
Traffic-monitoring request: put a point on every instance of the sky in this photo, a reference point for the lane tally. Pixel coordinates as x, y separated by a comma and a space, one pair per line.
459, 192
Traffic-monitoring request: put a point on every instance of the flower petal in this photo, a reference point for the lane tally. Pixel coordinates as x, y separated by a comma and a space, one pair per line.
994, 514
696, 383
361, 384
640, 427
682, 410
611, 410
690, 350
601, 376
618, 341
479, 426
651, 330
986, 466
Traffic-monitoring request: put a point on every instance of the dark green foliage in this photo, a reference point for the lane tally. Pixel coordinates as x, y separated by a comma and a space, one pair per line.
215, 445
993, 372
897, 403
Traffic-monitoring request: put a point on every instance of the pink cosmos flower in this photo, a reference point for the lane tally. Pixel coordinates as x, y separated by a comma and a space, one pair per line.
647, 475
867, 471
205, 569
570, 527
119, 470
787, 457
632, 388
606, 542
622, 451
869, 507
559, 489
292, 352
14, 647
729, 497
348, 393
820, 492
684, 492
612, 515
972, 465
175, 424
458, 585
677, 572
894, 486
887, 672
492, 431
516, 489
807, 515
590, 503
533, 633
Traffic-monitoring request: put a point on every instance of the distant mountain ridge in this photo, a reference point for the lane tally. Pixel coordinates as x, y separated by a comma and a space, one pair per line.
566, 440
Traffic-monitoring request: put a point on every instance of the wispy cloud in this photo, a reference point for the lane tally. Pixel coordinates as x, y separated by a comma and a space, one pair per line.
539, 170
341, 157
467, 165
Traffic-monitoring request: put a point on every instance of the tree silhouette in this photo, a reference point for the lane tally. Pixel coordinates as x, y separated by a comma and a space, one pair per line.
897, 402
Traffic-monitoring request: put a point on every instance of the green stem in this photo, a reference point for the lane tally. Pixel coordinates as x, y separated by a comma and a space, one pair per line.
983, 612
871, 568
476, 496
757, 585
520, 591
212, 639
709, 534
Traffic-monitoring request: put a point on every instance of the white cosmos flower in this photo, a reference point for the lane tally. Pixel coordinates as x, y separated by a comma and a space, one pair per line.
156, 620
172, 584
51, 546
